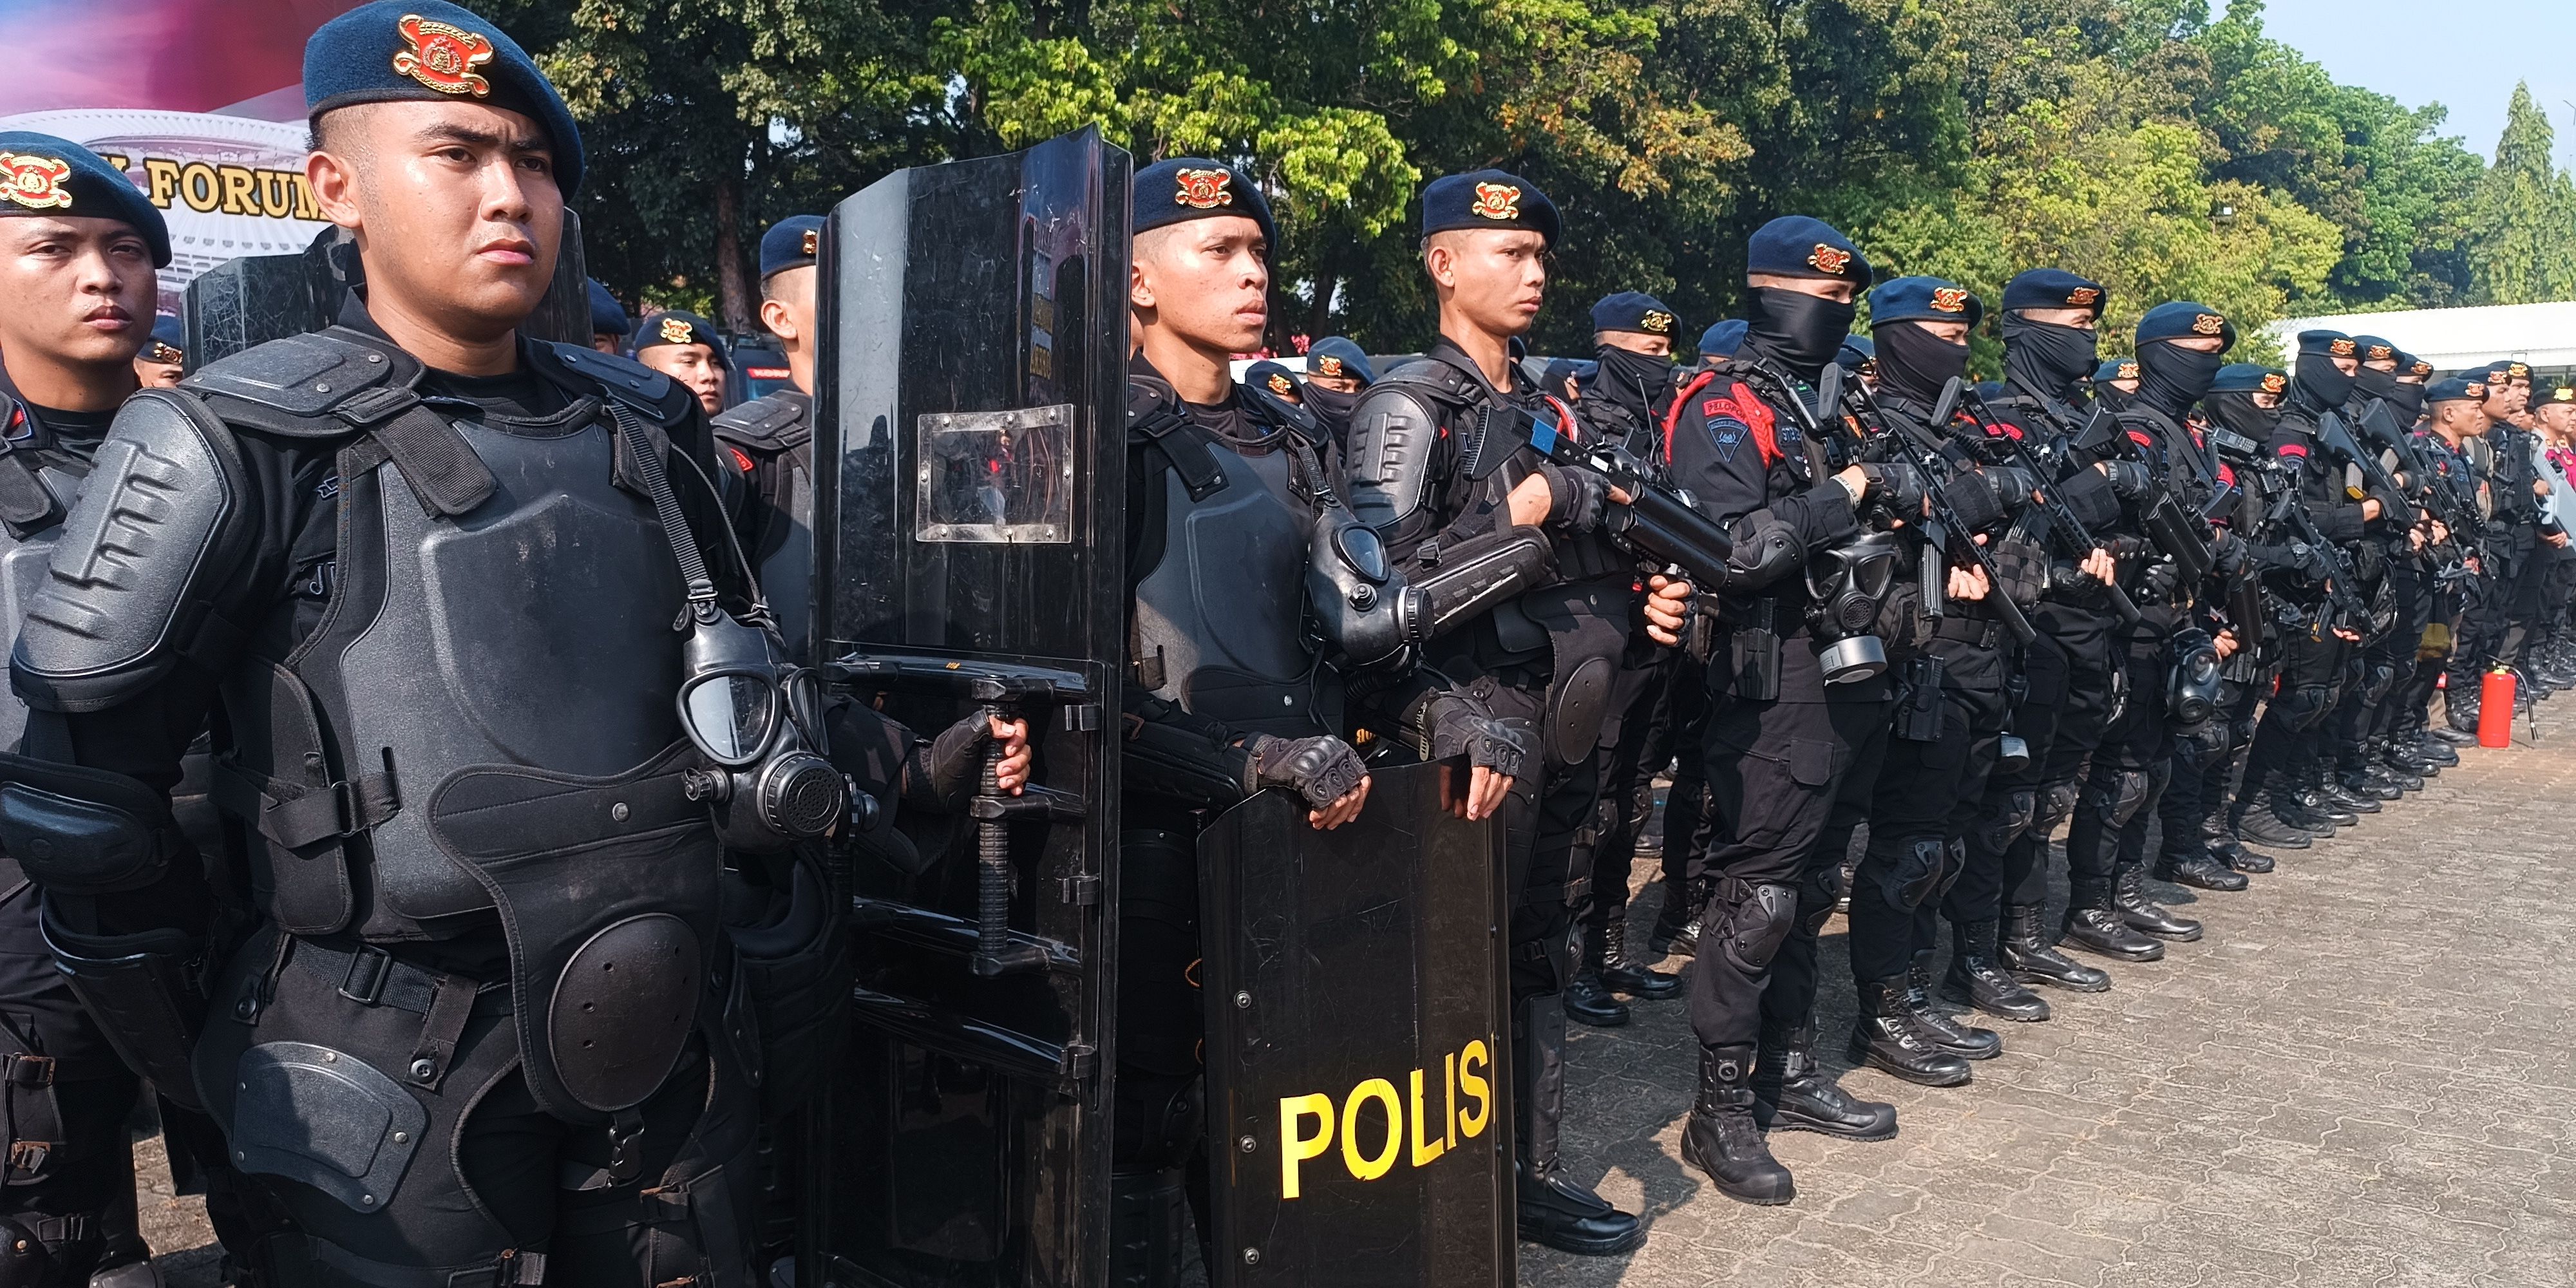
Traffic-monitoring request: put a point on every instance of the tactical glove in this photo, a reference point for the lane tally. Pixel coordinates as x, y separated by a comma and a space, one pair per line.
1322, 769
1580, 497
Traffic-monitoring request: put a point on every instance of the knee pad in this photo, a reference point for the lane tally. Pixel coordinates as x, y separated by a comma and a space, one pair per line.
2307, 704
2383, 677
1916, 873
1817, 896
1757, 922
2118, 800
2050, 808
2001, 824
1956, 862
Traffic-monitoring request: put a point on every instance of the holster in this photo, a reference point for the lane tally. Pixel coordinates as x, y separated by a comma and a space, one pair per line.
1754, 653
1918, 707
147, 993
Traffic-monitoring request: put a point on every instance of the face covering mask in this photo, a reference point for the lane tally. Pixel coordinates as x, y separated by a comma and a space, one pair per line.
1331, 406
1914, 364
2171, 378
1630, 379
2045, 356
2374, 383
2407, 399
1802, 331
2237, 413
2319, 384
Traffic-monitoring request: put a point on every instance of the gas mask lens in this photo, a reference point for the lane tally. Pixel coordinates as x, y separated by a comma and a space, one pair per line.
730, 717
748, 711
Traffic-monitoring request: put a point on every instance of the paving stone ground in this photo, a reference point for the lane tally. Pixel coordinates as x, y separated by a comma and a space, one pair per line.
2364, 1075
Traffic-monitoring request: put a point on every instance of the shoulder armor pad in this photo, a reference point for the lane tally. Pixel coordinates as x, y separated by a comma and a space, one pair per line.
1270, 408
161, 517
318, 384
773, 422
624, 379
1444, 381
1391, 436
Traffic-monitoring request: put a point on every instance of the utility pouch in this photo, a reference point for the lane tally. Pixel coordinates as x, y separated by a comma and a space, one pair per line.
1755, 654
1918, 709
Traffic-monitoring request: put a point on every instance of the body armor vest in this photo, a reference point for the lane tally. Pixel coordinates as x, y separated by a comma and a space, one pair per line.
1220, 619
777, 433
22, 569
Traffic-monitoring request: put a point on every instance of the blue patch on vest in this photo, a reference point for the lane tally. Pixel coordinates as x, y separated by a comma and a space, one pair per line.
1729, 434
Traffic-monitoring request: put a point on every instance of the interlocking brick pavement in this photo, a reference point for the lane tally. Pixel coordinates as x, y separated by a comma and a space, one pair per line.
2362, 1076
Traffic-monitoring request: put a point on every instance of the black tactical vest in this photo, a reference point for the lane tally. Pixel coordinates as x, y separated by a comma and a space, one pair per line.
775, 434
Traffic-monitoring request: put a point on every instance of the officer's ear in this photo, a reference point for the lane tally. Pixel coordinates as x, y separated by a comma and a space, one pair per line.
1440, 259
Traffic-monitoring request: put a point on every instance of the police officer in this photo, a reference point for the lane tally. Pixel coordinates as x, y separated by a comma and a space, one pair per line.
2283, 770
78, 245
2500, 624
2244, 409
160, 363
608, 323
2399, 596
2050, 328
1543, 608
1628, 396
1337, 370
2115, 382
2452, 419
686, 348
1773, 747
411, 1036
1226, 483
768, 442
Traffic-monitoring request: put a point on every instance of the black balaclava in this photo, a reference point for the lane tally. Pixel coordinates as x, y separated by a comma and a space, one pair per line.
2407, 397
1629, 378
1799, 331
2046, 357
2317, 385
2171, 378
1914, 364
1331, 406
2235, 410
2375, 383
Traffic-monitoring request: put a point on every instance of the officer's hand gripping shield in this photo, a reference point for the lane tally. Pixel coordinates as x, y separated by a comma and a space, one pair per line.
1358, 1008
969, 544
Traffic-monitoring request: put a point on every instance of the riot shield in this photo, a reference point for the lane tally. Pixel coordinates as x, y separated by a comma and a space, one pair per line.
1358, 1011
259, 298
969, 531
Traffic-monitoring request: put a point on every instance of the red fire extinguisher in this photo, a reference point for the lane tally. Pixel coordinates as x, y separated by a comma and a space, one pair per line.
2495, 708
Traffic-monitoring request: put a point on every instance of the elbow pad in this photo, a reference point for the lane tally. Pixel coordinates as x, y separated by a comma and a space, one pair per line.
1766, 550
161, 517
84, 832
1393, 429
1362, 606
1475, 576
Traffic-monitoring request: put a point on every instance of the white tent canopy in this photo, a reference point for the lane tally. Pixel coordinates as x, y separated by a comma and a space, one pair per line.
2543, 335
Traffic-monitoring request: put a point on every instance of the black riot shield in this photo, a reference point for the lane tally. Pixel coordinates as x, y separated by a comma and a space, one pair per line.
1358, 1010
969, 545
259, 298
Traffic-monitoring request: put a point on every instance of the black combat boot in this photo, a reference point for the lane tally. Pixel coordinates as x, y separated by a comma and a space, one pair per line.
1721, 1138
1555, 1209
2200, 870
2367, 781
2320, 808
1587, 999
2218, 837
1965, 1041
1625, 976
2341, 794
2093, 923
2267, 817
1792, 1093
2129, 894
2459, 725
1677, 922
2030, 953
1889, 1035
1977, 978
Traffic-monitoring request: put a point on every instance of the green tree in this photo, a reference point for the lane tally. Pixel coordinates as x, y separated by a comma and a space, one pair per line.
2522, 231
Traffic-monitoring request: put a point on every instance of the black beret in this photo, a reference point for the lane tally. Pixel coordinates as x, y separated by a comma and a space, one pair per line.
2562, 394
675, 327
1488, 199
607, 316
2115, 369
1339, 356
2327, 344
2507, 370
2053, 288
2184, 319
433, 51
1924, 299
1632, 311
1722, 338
169, 340
44, 175
1559, 370
1858, 351
1275, 378
2410, 365
1183, 188
1800, 246
2467, 388
790, 243
2374, 349
2250, 378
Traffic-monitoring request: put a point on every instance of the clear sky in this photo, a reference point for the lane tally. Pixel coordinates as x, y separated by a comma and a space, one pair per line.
2463, 54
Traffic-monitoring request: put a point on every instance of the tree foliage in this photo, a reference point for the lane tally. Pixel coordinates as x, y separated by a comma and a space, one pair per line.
2169, 153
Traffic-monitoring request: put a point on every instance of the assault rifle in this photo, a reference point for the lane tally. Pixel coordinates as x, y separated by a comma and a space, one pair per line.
1657, 523
2070, 530
1944, 530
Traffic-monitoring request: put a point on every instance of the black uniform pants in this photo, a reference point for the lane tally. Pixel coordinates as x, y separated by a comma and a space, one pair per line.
2006, 808
2095, 689
2312, 666
1928, 793
1646, 738
2383, 659
66, 1095
1859, 717
2129, 771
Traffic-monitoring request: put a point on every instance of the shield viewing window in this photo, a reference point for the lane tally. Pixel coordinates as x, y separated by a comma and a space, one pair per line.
996, 477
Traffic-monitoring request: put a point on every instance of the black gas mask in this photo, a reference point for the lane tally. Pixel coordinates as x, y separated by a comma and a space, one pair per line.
1845, 586
2192, 694
2171, 378
755, 715
2047, 357
1803, 332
